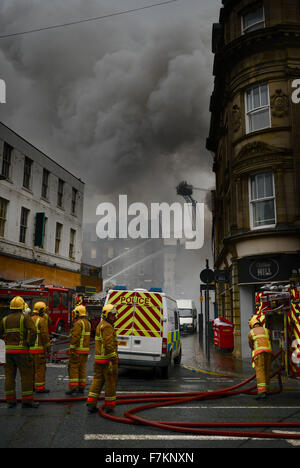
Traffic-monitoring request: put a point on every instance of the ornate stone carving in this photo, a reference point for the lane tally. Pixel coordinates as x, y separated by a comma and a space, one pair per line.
257, 147
258, 154
236, 118
279, 104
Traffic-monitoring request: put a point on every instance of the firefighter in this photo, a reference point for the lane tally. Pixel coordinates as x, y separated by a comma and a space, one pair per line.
106, 362
47, 318
19, 333
260, 343
40, 348
79, 351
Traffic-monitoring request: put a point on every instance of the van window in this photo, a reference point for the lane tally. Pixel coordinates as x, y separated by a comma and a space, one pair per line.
55, 299
186, 312
176, 319
64, 297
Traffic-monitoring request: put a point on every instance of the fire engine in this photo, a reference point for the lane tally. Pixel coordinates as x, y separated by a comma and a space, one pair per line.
59, 301
279, 311
93, 302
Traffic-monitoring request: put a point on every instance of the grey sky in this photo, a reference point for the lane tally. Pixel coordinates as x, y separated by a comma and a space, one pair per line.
121, 102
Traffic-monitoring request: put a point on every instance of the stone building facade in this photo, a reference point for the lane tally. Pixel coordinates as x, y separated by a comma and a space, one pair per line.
255, 138
41, 214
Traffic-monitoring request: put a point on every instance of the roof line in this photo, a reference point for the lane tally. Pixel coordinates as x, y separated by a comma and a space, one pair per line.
40, 151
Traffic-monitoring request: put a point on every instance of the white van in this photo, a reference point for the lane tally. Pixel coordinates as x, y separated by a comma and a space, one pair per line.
147, 328
187, 315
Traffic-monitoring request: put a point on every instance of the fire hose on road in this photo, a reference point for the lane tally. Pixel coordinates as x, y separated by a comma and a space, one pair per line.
150, 401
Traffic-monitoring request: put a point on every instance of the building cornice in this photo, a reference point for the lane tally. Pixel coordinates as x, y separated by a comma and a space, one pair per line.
230, 241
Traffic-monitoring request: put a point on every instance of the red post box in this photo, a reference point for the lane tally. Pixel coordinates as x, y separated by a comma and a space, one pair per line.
223, 333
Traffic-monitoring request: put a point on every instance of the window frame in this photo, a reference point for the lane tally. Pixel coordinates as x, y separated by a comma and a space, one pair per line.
256, 110
25, 212
6, 160
252, 202
263, 20
74, 201
45, 184
57, 245
28, 163
60, 193
72, 243
3, 215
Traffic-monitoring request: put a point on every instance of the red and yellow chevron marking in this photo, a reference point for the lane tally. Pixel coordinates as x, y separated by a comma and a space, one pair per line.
261, 307
294, 335
139, 313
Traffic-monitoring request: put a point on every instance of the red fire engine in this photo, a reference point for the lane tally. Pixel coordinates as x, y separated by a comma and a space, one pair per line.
93, 302
59, 301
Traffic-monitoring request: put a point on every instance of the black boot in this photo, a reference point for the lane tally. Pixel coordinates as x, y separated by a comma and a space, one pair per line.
33, 404
109, 409
261, 396
92, 409
72, 392
45, 390
12, 404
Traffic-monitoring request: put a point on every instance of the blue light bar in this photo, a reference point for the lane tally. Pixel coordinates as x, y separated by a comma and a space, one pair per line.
120, 288
155, 290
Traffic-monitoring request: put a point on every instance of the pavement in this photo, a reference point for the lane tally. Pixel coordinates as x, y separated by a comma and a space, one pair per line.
224, 364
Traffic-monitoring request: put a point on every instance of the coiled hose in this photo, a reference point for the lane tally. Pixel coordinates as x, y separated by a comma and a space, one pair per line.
202, 428
197, 428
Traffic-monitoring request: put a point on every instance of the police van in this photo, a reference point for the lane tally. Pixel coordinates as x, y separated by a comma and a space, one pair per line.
147, 328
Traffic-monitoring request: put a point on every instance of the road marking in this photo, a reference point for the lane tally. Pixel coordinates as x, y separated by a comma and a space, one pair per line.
232, 407
194, 379
294, 442
194, 369
161, 437
53, 365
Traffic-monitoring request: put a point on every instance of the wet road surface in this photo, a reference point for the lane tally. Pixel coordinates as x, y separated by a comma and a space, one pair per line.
62, 425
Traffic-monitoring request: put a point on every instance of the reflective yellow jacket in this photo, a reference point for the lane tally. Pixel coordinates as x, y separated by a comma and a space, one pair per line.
106, 346
18, 332
42, 342
80, 336
259, 341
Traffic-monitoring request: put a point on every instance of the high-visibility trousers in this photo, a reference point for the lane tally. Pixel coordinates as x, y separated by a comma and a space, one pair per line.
77, 370
39, 360
108, 374
23, 363
262, 364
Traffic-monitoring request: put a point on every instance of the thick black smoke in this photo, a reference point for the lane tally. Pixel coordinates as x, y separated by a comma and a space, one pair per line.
122, 103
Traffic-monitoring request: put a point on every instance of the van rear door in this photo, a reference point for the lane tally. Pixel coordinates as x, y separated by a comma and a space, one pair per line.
139, 325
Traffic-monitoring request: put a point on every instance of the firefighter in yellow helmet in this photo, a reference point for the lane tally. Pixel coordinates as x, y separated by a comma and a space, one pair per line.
47, 318
40, 348
79, 350
260, 344
18, 332
106, 362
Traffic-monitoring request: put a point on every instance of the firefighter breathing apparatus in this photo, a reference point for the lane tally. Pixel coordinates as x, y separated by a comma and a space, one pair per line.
226, 429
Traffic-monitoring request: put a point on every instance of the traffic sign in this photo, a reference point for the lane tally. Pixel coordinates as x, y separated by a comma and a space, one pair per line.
207, 276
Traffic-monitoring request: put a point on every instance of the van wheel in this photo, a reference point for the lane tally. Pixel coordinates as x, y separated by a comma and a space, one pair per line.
165, 371
177, 360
